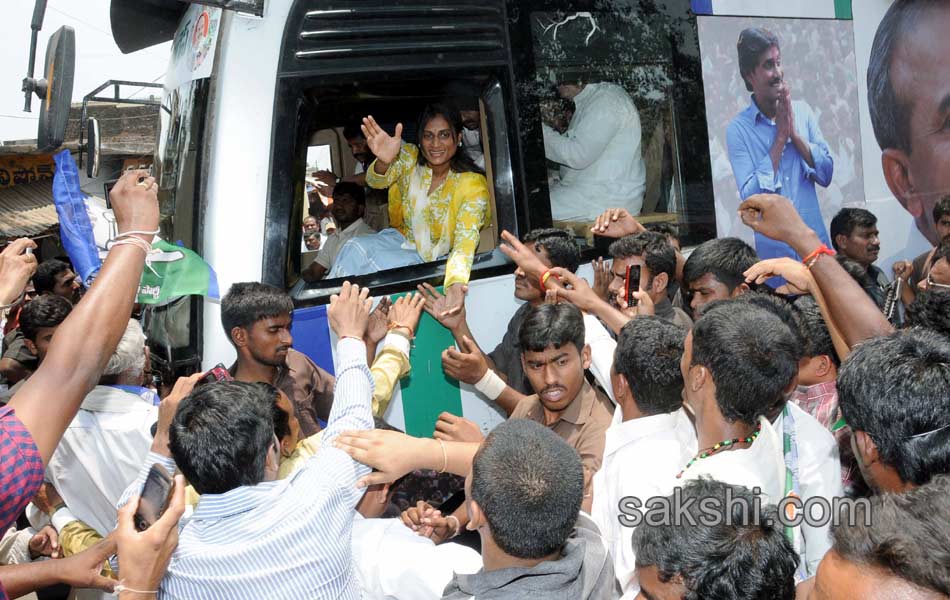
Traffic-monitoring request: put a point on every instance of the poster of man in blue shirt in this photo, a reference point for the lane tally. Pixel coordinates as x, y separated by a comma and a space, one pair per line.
775, 145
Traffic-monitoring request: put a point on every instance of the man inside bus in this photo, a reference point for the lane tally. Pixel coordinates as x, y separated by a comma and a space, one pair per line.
349, 203
715, 270
909, 65
775, 145
599, 154
554, 248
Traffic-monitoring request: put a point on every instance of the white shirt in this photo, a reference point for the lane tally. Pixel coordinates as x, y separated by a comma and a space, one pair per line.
819, 475
761, 465
335, 241
393, 562
641, 459
602, 347
599, 153
101, 453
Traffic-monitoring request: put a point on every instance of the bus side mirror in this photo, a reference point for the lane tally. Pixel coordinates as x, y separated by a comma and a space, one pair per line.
56, 89
93, 148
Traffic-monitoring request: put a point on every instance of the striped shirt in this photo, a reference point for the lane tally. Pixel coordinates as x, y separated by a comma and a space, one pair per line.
286, 539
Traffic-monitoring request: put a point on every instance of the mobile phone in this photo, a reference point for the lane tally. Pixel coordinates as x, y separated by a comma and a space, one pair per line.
218, 373
156, 494
633, 284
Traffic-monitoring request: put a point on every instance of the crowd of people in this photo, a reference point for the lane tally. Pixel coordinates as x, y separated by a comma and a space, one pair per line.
693, 434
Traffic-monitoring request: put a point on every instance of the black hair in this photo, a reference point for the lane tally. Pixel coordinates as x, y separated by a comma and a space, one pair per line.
648, 355
657, 253
280, 416
816, 339
847, 219
941, 253
751, 355
664, 228
529, 484
353, 130
461, 162
929, 310
941, 208
44, 280
354, 190
856, 270
896, 389
221, 435
908, 536
248, 302
890, 114
734, 557
43, 312
752, 43
560, 245
551, 325
780, 306
727, 259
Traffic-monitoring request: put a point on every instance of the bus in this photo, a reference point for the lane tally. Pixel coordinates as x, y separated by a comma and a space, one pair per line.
258, 95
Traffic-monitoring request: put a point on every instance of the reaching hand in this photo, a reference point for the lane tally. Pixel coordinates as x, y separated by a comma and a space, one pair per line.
451, 428
134, 201
775, 217
391, 453
576, 290
602, 276
550, 296
407, 311
168, 408
644, 306
799, 279
428, 521
47, 499
378, 321
45, 543
449, 312
466, 364
386, 147
526, 260
616, 223
83, 570
144, 556
349, 311
16, 268
326, 182
903, 269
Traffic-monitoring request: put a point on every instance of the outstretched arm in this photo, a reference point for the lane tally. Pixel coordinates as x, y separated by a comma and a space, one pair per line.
87, 338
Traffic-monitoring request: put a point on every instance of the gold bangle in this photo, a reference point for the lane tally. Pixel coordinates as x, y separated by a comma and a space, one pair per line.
445, 456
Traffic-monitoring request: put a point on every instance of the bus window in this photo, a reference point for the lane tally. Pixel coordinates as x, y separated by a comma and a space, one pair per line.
609, 97
376, 218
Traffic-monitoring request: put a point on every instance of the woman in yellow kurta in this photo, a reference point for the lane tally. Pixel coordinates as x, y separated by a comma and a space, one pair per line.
438, 200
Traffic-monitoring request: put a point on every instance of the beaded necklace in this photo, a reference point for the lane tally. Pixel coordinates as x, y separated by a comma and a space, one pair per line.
719, 446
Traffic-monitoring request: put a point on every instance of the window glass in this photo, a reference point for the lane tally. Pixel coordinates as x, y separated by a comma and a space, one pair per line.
604, 94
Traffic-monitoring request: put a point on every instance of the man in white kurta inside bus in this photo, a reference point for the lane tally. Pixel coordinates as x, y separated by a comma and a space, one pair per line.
599, 154
438, 202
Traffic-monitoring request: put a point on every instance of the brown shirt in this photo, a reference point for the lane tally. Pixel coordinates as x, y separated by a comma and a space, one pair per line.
583, 425
310, 388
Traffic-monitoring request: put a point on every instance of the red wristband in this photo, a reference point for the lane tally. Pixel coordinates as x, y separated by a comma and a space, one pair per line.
822, 249
543, 279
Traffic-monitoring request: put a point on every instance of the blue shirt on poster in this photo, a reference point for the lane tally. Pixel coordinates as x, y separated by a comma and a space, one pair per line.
749, 138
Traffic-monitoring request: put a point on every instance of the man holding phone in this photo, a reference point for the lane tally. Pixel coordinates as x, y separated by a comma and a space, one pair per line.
650, 256
253, 536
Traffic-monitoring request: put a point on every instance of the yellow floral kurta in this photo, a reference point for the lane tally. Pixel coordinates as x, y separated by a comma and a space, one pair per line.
458, 208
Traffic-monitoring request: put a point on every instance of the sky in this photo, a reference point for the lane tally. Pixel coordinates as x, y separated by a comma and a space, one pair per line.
98, 59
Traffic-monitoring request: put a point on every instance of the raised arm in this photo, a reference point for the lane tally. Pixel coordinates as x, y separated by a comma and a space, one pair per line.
87, 338
387, 149
849, 306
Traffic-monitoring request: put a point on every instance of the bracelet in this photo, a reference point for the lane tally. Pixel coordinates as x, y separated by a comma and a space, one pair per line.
543, 279
121, 587
137, 231
812, 258
393, 325
352, 337
458, 525
445, 456
491, 385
